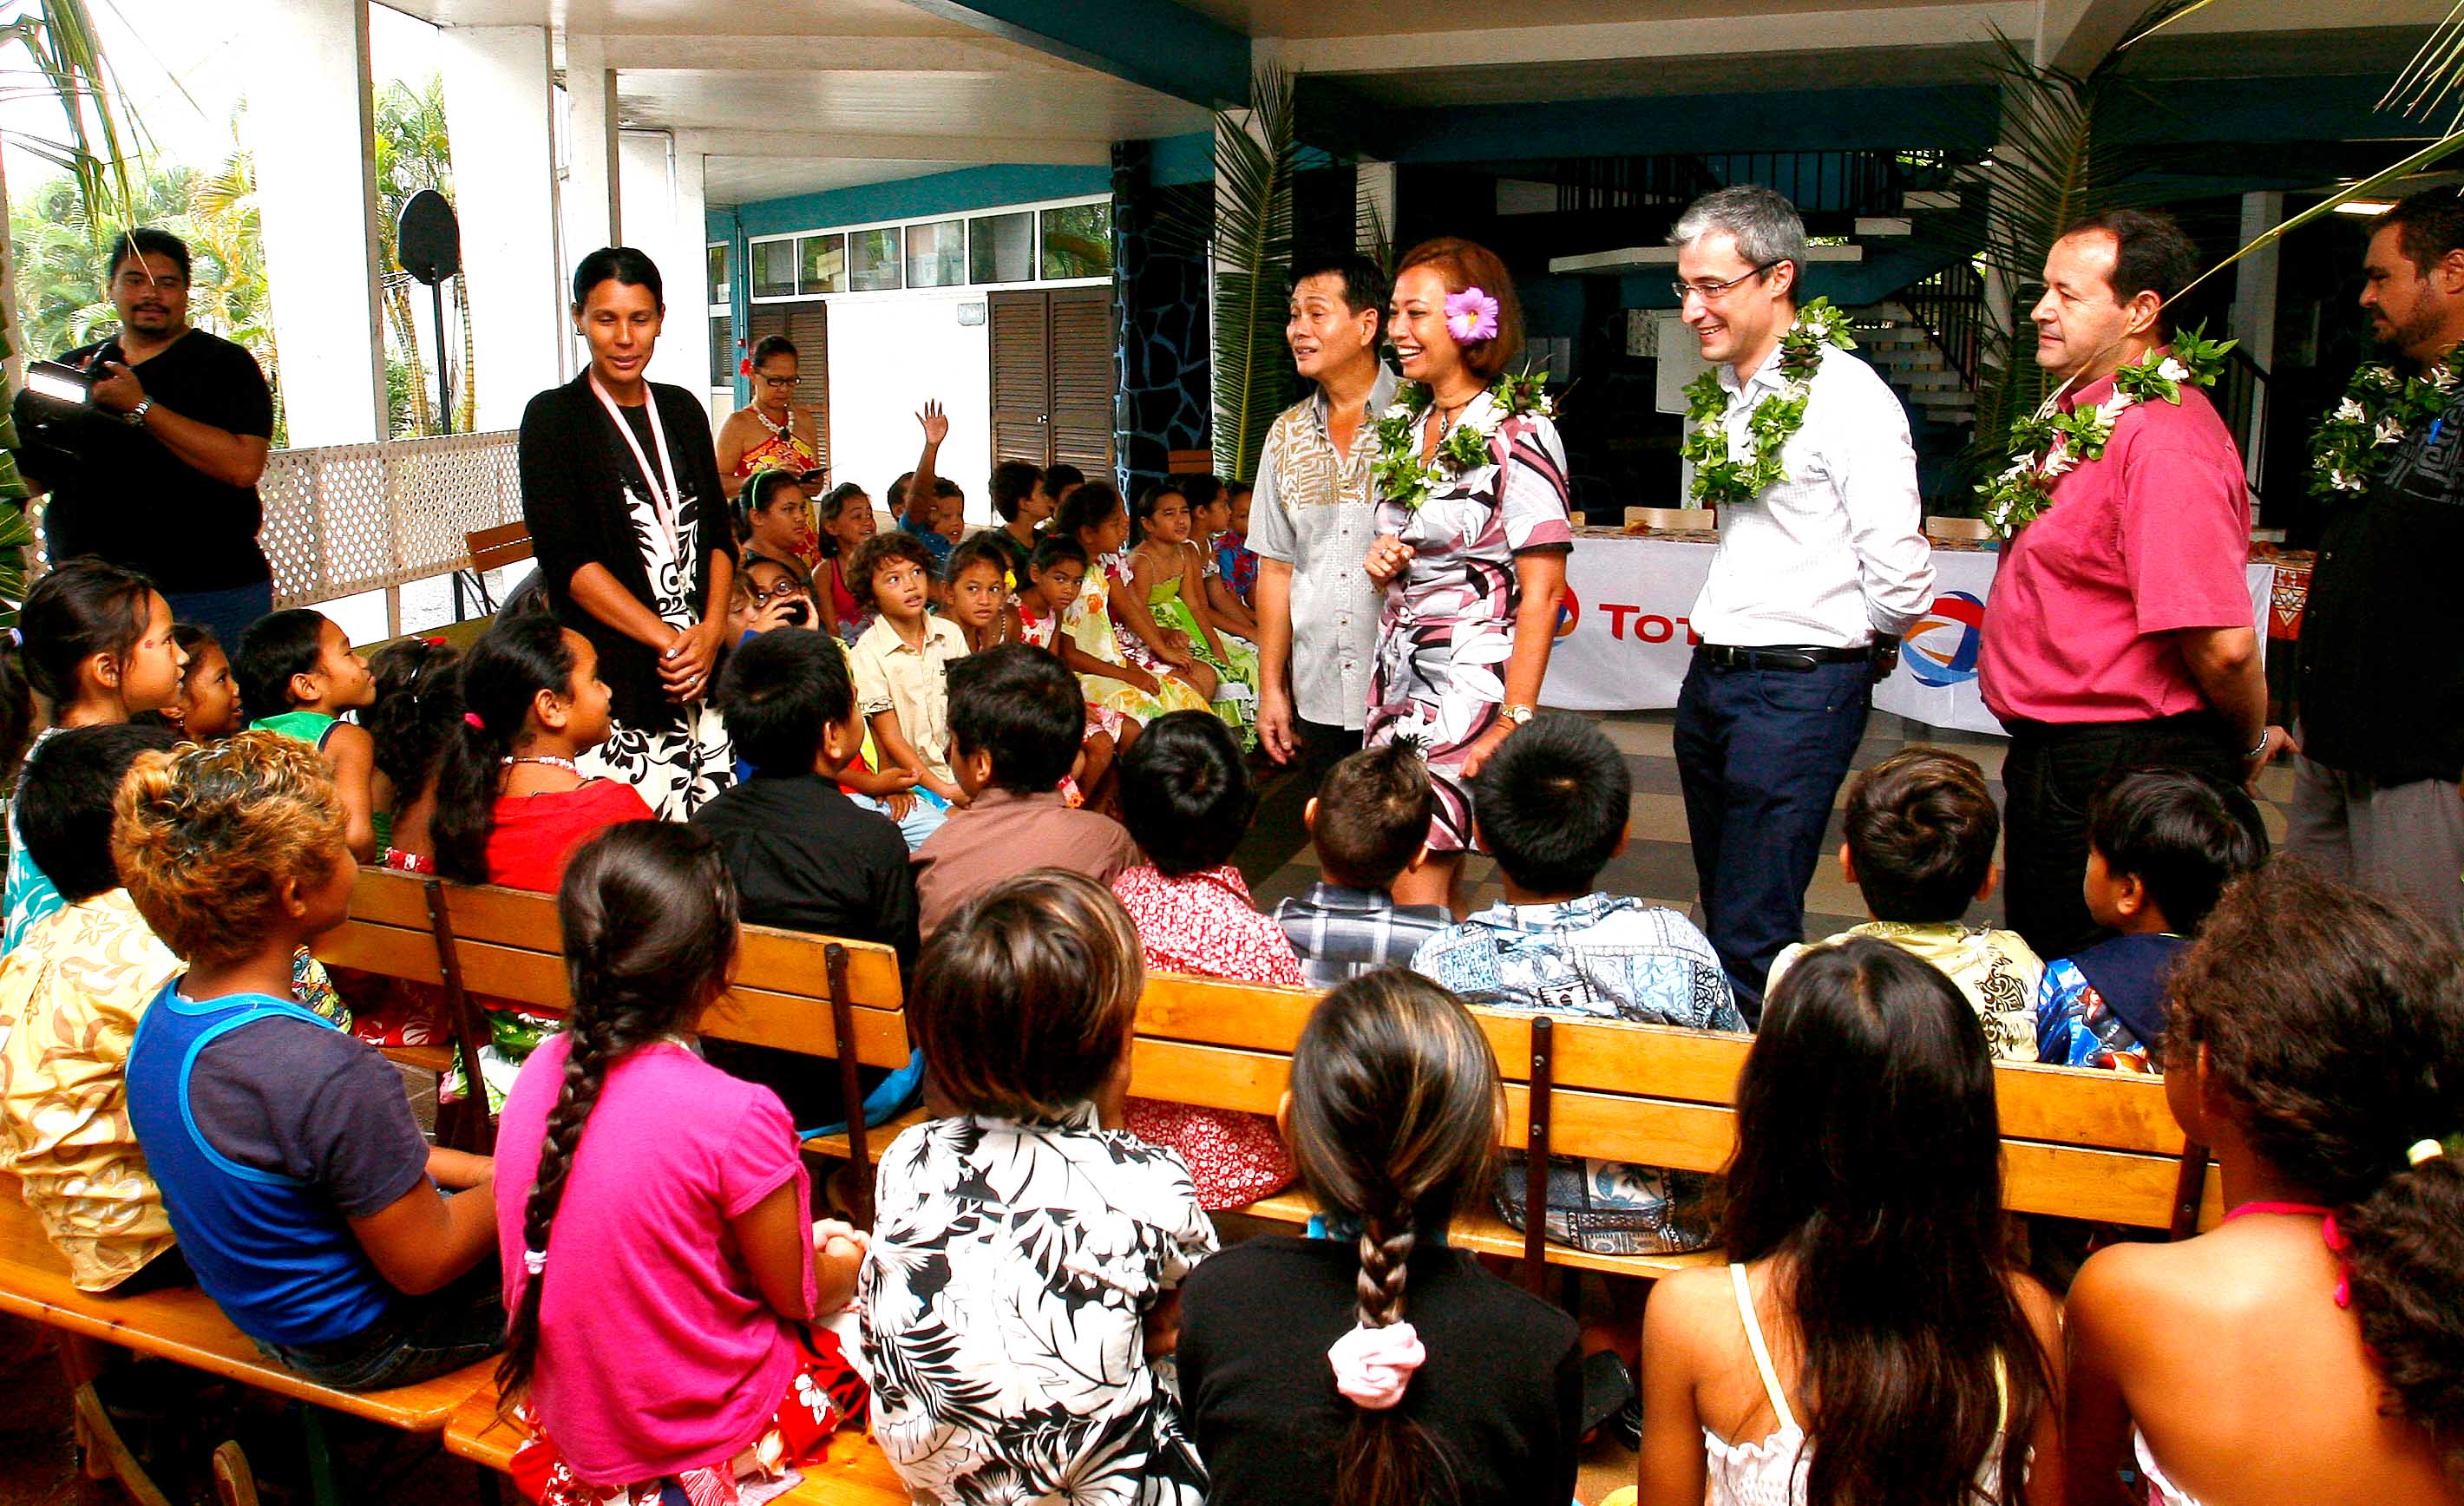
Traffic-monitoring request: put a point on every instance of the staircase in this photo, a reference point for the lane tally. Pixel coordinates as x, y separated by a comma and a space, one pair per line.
1913, 361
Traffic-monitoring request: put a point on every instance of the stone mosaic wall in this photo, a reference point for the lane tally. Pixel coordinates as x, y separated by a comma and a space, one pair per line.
1160, 311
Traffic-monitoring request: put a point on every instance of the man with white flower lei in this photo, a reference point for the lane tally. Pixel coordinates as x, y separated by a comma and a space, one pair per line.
1822, 565
2118, 633
2376, 797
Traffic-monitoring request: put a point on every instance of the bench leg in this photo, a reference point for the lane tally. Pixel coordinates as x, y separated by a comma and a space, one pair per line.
323, 1488
106, 1455
234, 1482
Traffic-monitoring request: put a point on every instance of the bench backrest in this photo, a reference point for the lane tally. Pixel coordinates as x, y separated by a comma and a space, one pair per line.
494, 548
2080, 1143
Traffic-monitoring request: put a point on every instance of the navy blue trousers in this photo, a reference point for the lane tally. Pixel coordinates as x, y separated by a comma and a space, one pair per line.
1760, 754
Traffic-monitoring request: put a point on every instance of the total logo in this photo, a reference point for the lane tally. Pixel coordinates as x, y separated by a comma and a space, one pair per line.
1570, 611
1941, 649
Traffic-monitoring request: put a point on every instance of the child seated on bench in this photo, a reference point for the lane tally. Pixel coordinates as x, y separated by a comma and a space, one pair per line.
304, 1198
1448, 1383
298, 676
902, 662
1015, 718
1027, 1254
2308, 1349
1369, 824
95, 645
1188, 798
1872, 1337
71, 993
2162, 846
418, 705
1921, 831
662, 1267
1552, 806
207, 708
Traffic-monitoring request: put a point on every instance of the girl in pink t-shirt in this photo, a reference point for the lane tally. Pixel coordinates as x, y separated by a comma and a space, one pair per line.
667, 1198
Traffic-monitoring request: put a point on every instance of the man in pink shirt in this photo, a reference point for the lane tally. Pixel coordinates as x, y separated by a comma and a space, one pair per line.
2119, 632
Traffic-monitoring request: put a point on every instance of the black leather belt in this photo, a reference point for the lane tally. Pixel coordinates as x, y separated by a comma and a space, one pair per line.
1798, 657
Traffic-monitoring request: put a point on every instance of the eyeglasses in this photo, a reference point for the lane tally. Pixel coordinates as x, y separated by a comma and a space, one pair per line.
782, 383
782, 591
1711, 292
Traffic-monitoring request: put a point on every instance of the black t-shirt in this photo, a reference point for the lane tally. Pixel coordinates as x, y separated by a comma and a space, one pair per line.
121, 493
2382, 684
1502, 1389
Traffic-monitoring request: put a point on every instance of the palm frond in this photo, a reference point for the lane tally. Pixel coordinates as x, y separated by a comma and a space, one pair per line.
1254, 159
2435, 72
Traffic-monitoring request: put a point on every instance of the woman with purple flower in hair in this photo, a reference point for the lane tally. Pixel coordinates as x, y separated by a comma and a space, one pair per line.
1473, 534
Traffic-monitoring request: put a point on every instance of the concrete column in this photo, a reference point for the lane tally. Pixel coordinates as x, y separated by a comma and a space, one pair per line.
502, 114
591, 193
2254, 310
659, 221
316, 181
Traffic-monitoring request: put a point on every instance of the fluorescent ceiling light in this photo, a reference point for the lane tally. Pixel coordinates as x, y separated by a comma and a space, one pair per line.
2364, 206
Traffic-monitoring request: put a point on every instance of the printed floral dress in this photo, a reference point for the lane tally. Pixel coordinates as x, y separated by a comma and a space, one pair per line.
683, 765
1235, 668
1447, 626
1004, 1303
1088, 622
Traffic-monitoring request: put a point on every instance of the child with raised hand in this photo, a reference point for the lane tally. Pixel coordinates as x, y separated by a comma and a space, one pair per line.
1187, 797
304, 1198
1920, 833
843, 519
902, 662
2163, 843
511, 803
662, 1268
1447, 1384
1027, 1254
2309, 1349
209, 706
70, 994
1118, 672
94, 645
418, 705
1871, 1338
1023, 506
976, 593
298, 676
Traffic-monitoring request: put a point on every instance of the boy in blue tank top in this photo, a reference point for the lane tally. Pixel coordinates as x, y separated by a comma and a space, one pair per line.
302, 1193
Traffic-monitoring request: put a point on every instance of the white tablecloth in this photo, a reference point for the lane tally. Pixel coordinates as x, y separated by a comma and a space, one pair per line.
1623, 643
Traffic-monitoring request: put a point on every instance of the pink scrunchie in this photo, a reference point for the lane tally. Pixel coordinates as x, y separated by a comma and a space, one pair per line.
1374, 1365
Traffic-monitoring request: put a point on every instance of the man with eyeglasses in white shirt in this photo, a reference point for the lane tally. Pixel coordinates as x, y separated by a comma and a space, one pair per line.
1815, 582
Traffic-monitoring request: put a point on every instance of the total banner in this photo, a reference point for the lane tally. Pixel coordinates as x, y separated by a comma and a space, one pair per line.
1623, 641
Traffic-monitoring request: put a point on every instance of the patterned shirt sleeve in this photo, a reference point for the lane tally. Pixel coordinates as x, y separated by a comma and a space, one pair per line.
1533, 485
2062, 1037
1270, 529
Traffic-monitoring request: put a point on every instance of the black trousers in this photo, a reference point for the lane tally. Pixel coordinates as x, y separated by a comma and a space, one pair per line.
2050, 775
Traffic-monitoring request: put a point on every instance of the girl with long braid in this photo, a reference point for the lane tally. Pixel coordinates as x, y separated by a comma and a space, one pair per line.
661, 1266
1447, 1386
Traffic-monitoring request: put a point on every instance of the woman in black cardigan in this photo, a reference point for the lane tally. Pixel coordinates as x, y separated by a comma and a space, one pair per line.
621, 490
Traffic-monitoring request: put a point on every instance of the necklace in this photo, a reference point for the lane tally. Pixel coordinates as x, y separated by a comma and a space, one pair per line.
1720, 478
1403, 477
2378, 414
547, 760
2048, 444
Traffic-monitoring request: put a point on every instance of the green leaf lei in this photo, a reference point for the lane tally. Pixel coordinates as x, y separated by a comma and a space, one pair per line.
1720, 480
2378, 413
2047, 444
1402, 476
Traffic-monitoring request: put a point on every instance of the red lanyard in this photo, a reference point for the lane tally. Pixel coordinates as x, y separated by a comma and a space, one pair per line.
665, 504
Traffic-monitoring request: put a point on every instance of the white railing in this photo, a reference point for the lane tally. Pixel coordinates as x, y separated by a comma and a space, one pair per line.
345, 518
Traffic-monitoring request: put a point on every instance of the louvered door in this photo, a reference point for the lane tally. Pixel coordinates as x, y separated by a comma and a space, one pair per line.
1052, 377
809, 326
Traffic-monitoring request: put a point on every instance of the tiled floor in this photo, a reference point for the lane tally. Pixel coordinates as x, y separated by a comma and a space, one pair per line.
1657, 863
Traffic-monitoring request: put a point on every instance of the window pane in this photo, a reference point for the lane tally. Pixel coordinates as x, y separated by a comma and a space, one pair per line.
1078, 241
820, 264
936, 255
722, 353
719, 274
774, 268
1001, 248
872, 260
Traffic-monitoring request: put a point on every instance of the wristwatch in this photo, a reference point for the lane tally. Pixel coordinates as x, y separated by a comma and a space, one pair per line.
1516, 714
135, 416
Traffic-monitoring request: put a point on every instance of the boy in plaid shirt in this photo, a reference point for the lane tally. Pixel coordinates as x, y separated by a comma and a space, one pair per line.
1369, 823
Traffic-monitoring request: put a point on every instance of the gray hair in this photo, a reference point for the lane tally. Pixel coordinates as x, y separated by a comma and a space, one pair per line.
1765, 225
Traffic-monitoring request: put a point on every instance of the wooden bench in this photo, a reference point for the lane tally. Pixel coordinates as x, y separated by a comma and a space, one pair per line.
494, 549
185, 1326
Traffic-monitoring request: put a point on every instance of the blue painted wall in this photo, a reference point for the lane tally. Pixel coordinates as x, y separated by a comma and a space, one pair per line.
959, 192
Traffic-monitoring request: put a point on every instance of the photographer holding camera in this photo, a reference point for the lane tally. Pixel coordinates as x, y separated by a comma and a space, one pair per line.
150, 444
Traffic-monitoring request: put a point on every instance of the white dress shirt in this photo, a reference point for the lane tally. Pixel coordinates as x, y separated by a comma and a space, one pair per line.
1837, 553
